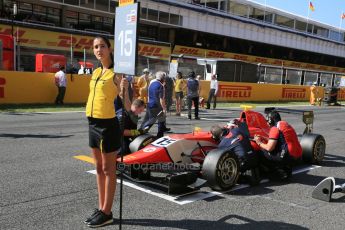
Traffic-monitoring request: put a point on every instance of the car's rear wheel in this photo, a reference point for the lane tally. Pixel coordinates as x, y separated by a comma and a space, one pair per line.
221, 169
140, 142
314, 148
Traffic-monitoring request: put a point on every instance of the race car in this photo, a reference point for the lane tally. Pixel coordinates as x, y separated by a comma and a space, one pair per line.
183, 158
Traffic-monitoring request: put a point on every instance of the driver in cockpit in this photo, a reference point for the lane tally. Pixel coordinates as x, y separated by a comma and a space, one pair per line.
235, 136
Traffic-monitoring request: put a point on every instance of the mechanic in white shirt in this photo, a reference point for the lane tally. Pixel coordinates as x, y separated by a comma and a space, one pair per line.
213, 92
60, 82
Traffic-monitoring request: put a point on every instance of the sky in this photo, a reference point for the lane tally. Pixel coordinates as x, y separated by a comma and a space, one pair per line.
326, 11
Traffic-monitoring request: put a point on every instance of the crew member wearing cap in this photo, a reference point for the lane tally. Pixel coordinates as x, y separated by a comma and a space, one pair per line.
143, 84
156, 107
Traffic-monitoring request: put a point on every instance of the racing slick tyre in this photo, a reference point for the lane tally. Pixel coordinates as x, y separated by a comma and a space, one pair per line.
314, 148
140, 142
221, 169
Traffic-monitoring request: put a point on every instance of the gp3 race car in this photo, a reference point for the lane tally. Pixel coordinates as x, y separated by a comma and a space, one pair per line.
183, 158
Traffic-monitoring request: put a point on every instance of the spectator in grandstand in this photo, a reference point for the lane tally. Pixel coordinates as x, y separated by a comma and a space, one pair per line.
60, 82
156, 107
193, 89
104, 129
180, 86
280, 149
143, 84
213, 92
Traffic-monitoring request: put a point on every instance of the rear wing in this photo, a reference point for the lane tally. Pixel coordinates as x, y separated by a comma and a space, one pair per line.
307, 116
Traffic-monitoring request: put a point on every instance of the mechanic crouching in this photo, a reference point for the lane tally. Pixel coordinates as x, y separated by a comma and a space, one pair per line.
129, 122
280, 149
235, 137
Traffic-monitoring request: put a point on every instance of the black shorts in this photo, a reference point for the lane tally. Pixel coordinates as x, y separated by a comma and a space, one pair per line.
104, 134
179, 95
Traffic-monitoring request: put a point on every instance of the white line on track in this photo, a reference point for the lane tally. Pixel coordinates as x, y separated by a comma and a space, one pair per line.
196, 195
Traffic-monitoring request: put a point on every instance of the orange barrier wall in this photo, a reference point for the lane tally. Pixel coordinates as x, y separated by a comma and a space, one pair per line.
233, 91
30, 87
341, 94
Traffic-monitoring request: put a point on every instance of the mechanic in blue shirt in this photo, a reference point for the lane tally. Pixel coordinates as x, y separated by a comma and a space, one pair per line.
235, 136
156, 107
193, 95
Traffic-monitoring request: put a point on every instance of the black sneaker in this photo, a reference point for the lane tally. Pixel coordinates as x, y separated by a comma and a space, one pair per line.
100, 220
197, 118
95, 212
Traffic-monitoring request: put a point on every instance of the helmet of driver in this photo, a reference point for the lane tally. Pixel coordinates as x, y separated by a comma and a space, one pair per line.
273, 118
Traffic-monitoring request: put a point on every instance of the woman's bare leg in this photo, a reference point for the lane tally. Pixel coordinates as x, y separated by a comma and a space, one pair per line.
109, 170
97, 155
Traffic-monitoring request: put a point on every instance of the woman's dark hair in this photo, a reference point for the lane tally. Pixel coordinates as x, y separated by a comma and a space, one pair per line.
106, 40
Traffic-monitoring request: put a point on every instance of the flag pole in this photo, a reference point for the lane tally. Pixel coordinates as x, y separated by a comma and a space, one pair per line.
265, 10
308, 13
340, 25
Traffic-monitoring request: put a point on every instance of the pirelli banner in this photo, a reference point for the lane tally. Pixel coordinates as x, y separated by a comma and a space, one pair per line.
204, 53
62, 41
232, 91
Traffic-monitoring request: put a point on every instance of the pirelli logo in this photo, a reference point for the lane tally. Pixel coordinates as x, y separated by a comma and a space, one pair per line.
232, 91
293, 93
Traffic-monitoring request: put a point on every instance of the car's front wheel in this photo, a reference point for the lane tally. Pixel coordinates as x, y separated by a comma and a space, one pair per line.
140, 142
221, 169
